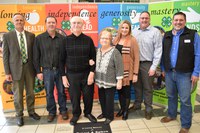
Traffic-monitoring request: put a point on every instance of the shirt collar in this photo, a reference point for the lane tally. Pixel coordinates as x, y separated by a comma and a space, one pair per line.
47, 34
18, 33
178, 33
77, 36
148, 28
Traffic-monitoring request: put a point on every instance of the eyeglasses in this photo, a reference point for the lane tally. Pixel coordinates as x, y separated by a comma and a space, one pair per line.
104, 38
76, 23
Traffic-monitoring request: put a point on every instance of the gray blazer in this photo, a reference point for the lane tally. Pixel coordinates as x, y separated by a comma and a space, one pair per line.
12, 56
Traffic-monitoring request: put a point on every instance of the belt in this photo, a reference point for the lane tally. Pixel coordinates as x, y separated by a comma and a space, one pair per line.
145, 61
173, 69
50, 68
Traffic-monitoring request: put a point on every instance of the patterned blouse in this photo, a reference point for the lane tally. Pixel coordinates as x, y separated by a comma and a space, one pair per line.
109, 68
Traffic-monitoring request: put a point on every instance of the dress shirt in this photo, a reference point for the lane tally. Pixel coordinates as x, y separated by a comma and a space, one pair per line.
150, 45
47, 51
174, 48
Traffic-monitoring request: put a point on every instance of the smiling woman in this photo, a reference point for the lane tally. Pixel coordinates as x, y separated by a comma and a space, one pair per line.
109, 74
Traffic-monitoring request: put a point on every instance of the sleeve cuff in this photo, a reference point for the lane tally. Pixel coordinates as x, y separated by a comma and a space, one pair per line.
119, 77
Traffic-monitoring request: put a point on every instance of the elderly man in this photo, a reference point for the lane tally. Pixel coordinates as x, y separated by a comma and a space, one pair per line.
79, 74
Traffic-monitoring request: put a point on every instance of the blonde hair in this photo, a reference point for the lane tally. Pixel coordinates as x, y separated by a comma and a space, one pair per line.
119, 35
109, 34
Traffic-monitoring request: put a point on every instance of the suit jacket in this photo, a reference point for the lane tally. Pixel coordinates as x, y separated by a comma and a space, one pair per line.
12, 56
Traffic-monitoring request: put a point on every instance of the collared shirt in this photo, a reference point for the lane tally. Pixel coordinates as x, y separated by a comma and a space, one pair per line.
150, 45
174, 48
18, 38
47, 51
174, 52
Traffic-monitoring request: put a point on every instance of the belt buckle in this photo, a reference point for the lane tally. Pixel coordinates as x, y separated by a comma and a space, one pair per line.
53, 68
173, 70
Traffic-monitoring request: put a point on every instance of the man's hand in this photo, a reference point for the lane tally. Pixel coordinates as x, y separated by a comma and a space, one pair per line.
91, 62
90, 79
163, 74
151, 72
135, 78
194, 79
9, 77
65, 81
40, 76
119, 84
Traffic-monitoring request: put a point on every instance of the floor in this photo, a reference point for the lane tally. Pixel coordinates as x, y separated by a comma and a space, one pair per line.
135, 124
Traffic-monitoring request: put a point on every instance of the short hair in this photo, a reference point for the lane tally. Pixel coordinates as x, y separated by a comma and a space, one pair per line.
106, 30
145, 12
18, 14
76, 17
50, 17
180, 13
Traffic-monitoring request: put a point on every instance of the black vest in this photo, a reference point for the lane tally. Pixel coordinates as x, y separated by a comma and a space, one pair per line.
185, 59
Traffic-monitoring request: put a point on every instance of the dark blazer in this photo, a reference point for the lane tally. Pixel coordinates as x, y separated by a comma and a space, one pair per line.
12, 56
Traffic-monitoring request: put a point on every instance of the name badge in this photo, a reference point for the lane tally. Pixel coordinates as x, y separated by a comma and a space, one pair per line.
187, 41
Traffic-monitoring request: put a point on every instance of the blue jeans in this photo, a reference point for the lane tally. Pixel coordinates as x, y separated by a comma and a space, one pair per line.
178, 83
52, 78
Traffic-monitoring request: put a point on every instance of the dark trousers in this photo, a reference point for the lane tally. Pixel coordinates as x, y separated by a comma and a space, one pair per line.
124, 95
106, 98
52, 78
78, 85
144, 86
27, 82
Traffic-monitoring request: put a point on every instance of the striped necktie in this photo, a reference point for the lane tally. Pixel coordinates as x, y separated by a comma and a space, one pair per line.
22, 49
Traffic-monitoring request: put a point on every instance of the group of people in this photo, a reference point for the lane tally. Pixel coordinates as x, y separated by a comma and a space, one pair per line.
130, 58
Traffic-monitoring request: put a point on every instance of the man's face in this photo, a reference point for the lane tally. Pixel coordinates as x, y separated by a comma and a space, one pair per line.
144, 20
76, 25
178, 22
51, 24
18, 22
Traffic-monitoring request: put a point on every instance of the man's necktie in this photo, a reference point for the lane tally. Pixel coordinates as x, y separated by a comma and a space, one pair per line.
22, 49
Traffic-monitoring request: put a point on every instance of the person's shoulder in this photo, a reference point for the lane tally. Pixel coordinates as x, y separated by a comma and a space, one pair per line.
29, 33
41, 35
10, 33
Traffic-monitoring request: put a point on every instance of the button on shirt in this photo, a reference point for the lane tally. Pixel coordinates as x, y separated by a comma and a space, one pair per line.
174, 48
18, 38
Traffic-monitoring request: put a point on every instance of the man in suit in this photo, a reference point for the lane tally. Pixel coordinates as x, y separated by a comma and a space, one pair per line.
18, 65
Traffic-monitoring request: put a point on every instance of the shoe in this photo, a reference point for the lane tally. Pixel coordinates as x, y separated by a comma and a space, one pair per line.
20, 121
91, 118
120, 113
50, 118
166, 119
101, 116
73, 121
184, 130
134, 108
65, 116
125, 115
34, 116
148, 115
107, 121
